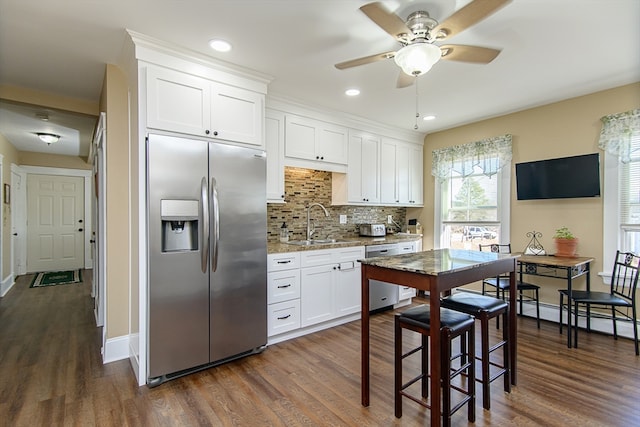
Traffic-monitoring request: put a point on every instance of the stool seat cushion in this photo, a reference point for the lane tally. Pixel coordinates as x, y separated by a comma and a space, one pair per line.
420, 316
473, 304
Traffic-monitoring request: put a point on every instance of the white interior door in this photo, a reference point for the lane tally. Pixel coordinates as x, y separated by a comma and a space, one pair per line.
55, 231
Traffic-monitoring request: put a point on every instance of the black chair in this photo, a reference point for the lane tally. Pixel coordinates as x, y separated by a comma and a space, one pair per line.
526, 291
452, 325
621, 298
484, 308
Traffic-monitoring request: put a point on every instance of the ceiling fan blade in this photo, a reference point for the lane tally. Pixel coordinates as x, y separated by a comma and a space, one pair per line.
388, 21
405, 80
462, 53
365, 60
469, 15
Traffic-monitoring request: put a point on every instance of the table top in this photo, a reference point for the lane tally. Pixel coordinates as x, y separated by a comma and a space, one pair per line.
437, 262
554, 260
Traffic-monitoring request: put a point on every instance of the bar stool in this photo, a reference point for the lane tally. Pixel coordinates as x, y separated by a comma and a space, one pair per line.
485, 308
453, 325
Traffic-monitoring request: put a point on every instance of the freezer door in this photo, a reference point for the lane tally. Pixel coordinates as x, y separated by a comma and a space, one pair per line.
238, 294
178, 288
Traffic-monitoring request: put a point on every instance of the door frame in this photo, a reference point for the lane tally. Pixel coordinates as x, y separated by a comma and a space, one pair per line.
18, 222
88, 214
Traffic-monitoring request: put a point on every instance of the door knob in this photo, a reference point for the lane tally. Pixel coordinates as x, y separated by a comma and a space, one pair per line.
80, 229
92, 241
15, 234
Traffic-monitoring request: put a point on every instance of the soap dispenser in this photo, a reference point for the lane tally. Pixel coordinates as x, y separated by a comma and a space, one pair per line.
284, 233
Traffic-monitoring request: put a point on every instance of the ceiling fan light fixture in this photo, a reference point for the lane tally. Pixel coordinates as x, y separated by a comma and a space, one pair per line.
417, 58
48, 138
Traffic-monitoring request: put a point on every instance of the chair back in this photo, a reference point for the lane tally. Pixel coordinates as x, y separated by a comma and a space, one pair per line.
624, 280
496, 248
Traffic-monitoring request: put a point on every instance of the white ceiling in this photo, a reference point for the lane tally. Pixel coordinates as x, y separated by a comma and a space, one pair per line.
551, 50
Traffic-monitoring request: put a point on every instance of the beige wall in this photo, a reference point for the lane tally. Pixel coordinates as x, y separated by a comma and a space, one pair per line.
52, 160
565, 128
114, 102
10, 156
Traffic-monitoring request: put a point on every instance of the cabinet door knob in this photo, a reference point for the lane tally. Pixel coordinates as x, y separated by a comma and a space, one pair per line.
207, 132
322, 158
215, 133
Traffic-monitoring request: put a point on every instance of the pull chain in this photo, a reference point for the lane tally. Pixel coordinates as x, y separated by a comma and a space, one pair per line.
417, 109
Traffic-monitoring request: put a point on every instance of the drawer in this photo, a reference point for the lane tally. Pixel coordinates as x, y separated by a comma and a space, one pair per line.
283, 285
317, 257
283, 317
285, 261
406, 292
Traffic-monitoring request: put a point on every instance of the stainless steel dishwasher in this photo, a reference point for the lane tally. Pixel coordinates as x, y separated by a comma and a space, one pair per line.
383, 295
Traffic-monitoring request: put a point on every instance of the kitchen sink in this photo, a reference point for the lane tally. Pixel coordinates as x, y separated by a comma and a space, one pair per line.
318, 242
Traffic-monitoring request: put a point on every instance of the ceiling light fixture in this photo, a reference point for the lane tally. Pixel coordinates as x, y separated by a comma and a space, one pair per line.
220, 45
49, 138
427, 118
417, 58
352, 92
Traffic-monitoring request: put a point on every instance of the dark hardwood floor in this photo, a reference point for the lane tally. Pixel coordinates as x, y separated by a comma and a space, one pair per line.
51, 374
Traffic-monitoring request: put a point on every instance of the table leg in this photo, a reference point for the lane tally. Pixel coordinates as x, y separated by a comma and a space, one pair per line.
364, 335
513, 327
569, 303
436, 374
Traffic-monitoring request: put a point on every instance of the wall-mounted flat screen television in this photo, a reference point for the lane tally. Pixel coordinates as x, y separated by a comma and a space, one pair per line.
562, 178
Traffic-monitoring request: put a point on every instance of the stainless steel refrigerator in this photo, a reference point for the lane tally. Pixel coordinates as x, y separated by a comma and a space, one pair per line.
207, 254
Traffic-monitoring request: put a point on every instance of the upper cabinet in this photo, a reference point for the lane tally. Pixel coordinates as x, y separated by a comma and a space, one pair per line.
274, 144
361, 184
315, 144
180, 102
401, 173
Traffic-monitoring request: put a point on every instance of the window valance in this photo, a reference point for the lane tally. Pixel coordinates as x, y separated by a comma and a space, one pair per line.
490, 155
617, 132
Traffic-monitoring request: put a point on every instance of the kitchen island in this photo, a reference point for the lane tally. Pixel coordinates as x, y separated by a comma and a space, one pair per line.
435, 271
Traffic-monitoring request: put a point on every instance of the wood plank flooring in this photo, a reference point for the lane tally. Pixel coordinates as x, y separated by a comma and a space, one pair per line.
51, 374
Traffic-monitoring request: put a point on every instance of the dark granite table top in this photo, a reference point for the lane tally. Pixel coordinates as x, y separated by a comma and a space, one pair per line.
437, 262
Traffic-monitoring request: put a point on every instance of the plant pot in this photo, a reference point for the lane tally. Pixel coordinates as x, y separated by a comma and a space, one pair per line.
566, 248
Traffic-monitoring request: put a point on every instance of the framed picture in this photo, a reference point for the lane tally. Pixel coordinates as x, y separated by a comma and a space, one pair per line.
7, 194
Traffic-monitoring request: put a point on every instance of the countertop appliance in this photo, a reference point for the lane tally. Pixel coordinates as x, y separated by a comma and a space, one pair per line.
383, 295
207, 255
372, 230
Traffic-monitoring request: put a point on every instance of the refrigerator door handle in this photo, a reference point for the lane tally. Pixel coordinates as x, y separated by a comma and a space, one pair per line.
204, 237
215, 232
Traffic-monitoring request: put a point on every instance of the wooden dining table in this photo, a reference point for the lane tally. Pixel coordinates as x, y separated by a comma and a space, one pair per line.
435, 271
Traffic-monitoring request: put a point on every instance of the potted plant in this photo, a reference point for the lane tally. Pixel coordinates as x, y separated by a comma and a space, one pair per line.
566, 243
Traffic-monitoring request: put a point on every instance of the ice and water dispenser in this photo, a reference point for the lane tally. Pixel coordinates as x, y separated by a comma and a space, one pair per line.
179, 225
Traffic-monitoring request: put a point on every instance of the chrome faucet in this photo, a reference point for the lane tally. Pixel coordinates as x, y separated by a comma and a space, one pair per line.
309, 230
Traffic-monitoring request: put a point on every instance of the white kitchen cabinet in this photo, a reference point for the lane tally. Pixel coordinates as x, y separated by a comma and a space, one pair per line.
274, 144
329, 284
401, 173
315, 140
361, 184
180, 102
283, 293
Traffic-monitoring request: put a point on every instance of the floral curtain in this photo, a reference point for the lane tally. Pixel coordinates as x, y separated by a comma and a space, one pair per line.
490, 155
617, 131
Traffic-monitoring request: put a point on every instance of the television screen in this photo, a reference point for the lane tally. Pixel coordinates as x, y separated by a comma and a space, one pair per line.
567, 177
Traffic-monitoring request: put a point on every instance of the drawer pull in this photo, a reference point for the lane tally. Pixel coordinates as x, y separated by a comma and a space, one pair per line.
284, 262
284, 317
284, 286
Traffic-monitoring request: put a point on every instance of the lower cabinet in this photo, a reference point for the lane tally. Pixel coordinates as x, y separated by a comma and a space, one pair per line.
329, 290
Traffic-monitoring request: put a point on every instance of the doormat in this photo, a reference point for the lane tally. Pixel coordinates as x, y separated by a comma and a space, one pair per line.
56, 278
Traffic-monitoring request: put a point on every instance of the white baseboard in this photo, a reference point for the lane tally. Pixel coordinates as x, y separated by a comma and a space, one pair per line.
116, 349
6, 285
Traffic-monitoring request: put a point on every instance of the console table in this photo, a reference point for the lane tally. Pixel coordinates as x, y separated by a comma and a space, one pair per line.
558, 268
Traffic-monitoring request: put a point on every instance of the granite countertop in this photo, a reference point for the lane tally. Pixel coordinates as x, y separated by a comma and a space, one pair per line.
437, 262
277, 248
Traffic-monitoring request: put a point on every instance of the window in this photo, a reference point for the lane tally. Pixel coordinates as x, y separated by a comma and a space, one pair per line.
472, 195
620, 138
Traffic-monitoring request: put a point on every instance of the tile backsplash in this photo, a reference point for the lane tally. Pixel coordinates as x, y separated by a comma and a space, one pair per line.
304, 186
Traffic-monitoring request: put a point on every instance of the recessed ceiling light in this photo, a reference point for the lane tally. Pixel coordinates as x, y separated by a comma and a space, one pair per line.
427, 118
352, 92
220, 45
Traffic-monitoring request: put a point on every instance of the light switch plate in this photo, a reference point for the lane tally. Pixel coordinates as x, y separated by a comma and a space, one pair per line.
389, 219
343, 219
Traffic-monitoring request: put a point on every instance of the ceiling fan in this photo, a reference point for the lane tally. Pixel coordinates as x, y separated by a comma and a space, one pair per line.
418, 34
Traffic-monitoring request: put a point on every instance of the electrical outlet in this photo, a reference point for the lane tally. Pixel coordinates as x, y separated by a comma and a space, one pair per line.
389, 219
343, 219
